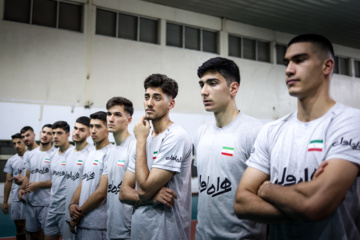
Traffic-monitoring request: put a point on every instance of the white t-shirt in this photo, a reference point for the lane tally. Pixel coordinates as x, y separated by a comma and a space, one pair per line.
170, 150
220, 155
38, 162
93, 169
119, 215
290, 152
74, 171
15, 166
58, 187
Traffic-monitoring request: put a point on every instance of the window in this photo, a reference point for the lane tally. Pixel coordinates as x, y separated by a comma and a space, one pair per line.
280, 53
357, 68
56, 14
341, 66
119, 25
249, 48
191, 38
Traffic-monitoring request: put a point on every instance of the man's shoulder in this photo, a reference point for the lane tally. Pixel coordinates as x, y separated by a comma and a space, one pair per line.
177, 131
342, 111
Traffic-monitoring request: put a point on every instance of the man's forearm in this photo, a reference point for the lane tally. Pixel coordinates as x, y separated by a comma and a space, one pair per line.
7, 189
252, 207
92, 202
44, 184
141, 168
130, 196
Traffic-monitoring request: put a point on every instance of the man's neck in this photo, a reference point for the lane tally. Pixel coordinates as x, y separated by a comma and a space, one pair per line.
225, 117
161, 125
32, 146
45, 147
80, 145
64, 147
120, 137
313, 107
21, 153
102, 144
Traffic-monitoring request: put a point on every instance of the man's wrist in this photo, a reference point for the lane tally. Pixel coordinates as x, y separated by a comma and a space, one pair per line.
71, 204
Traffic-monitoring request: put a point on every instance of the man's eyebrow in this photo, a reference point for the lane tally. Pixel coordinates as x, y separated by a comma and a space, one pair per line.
296, 56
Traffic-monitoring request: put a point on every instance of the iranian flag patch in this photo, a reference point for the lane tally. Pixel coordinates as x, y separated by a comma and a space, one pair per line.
155, 155
47, 160
79, 162
315, 145
121, 163
96, 162
227, 151
63, 162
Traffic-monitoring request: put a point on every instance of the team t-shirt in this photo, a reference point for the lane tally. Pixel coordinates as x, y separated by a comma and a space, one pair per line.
38, 162
290, 152
170, 150
74, 171
58, 187
92, 172
220, 155
15, 166
119, 214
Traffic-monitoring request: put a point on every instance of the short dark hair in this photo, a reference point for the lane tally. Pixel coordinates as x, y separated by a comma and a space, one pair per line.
101, 115
115, 101
26, 128
84, 120
225, 67
16, 135
319, 41
61, 124
47, 125
168, 86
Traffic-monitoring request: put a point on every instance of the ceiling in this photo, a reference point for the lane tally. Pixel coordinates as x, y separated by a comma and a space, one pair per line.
338, 20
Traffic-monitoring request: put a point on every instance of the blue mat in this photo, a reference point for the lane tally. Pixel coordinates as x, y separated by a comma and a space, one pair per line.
7, 226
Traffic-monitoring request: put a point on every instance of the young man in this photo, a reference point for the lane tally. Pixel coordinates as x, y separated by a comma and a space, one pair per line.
162, 170
221, 148
288, 151
55, 218
74, 166
28, 136
37, 184
13, 168
88, 204
119, 116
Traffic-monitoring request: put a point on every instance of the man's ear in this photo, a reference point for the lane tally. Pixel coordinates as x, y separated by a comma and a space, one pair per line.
233, 88
171, 103
328, 66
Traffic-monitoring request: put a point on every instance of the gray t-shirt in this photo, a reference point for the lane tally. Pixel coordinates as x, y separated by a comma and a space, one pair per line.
58, 187
220, 155
119, 215
15, 166
74, 170
93, 169
38, 162
170, 150
290, 152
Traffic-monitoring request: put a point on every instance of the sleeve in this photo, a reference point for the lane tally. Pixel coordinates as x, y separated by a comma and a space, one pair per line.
174, 149
27, 161
195, 146
251, 137
343, 140
8, 168
132, 158
130, 150
106, 162
260, 154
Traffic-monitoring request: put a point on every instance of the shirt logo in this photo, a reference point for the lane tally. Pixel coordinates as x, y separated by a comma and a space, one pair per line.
227, 151
96, 162
63, 162
79, 162
47, 160
121, 163
353, 144
155, 154
315, 146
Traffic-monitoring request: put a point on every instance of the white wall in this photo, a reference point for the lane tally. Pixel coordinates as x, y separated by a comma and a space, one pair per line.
49, 74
